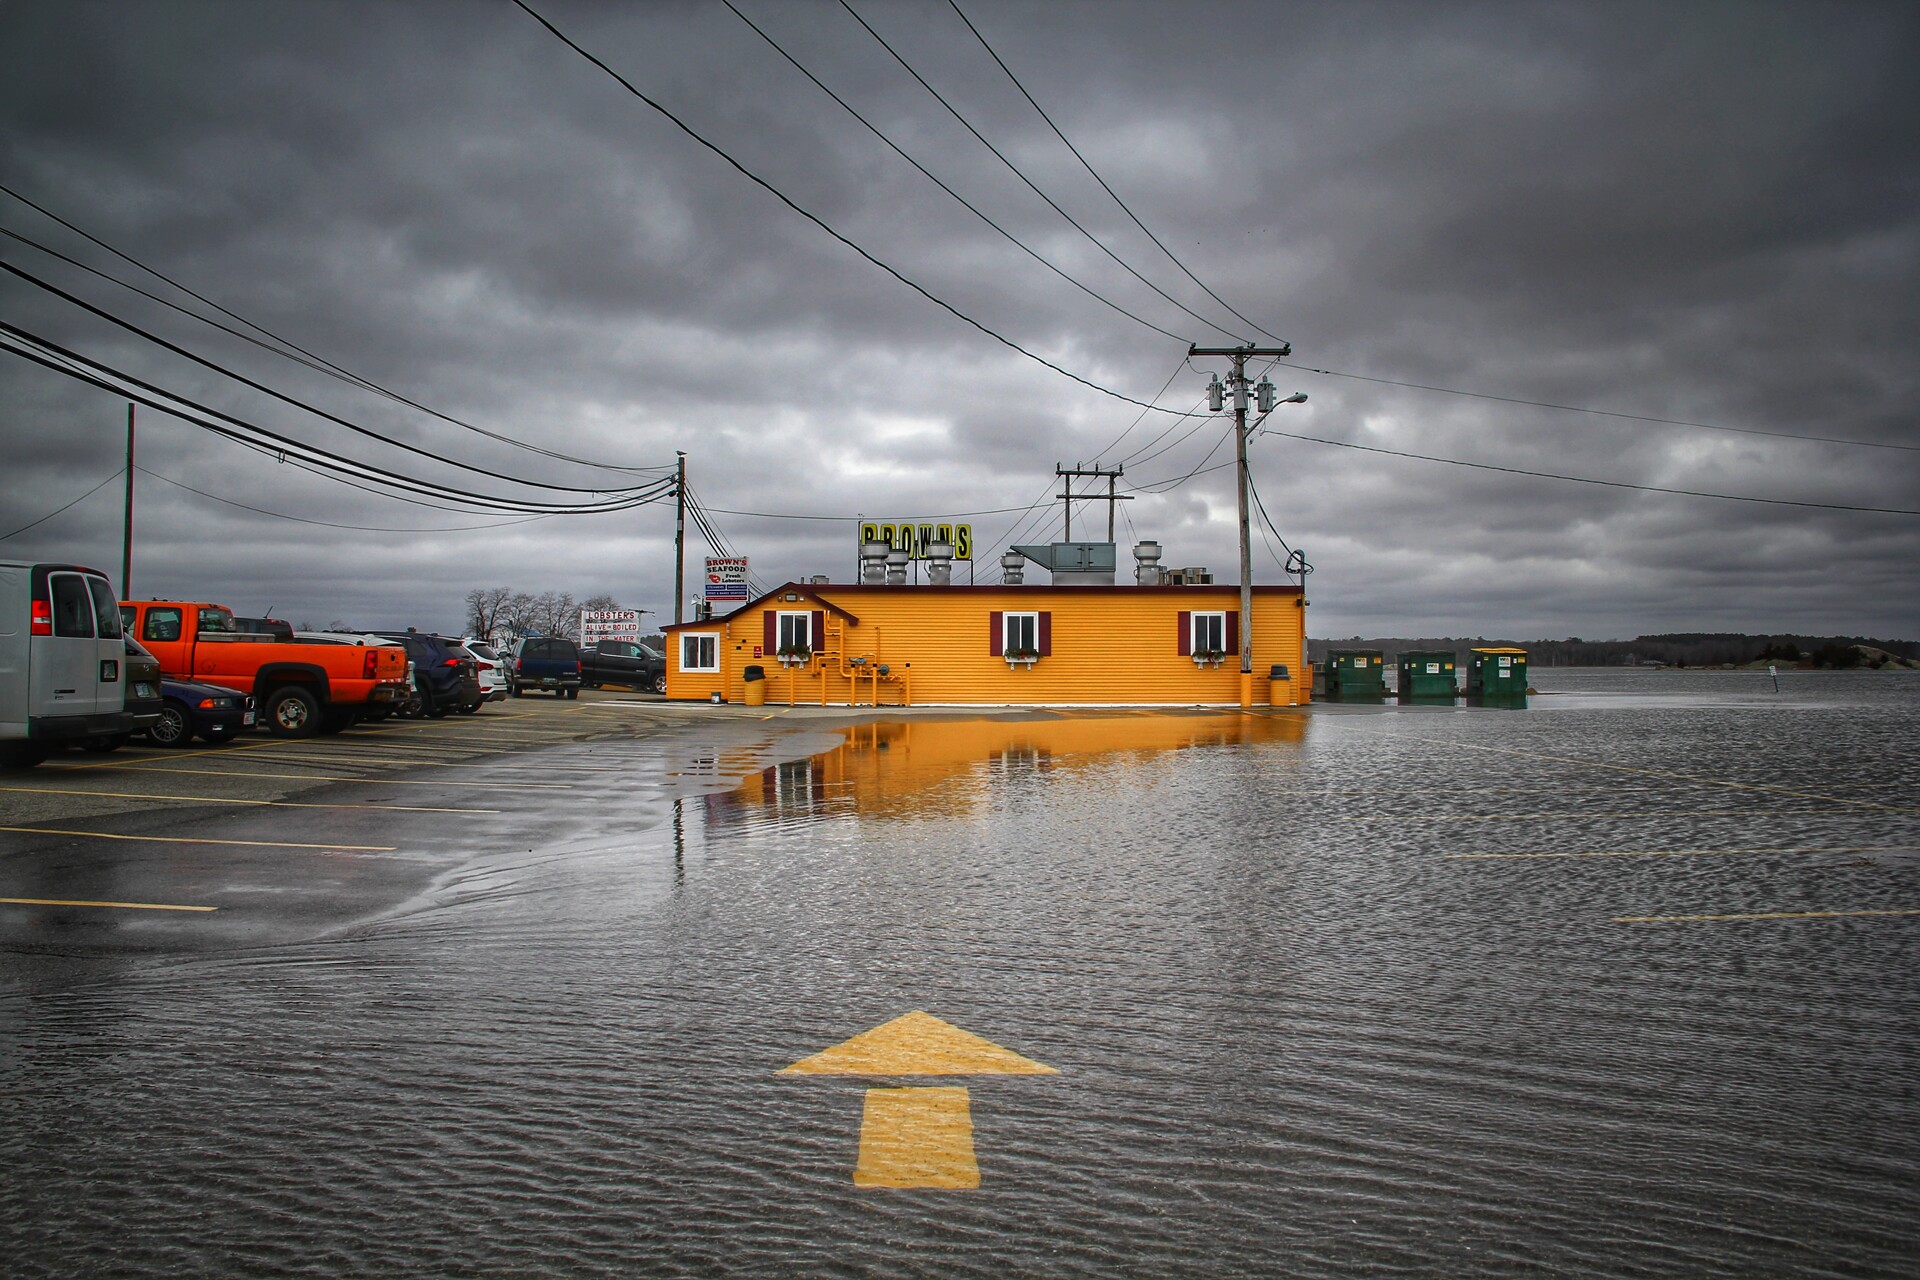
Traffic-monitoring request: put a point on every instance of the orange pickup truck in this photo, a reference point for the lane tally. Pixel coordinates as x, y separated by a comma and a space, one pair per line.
301, 688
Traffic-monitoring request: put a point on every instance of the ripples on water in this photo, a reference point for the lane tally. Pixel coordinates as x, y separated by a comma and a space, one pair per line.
1306, 1023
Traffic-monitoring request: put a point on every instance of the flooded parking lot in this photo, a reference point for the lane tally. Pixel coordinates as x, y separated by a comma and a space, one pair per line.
1621, 984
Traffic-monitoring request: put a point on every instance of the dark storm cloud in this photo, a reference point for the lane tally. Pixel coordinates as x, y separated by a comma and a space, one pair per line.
1699, 212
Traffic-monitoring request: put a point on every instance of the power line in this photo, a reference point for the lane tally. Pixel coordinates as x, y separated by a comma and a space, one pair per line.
963, 201
817, 221
328, 524
40, 351
286, 349
1611, 484
1142, 415
245, 381
115, 474
1603, 413
1102, 181
1015, 169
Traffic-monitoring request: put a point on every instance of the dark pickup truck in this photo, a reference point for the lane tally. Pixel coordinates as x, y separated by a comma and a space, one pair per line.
623, 662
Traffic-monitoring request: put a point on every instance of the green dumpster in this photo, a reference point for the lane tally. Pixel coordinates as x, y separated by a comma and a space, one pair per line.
1355, 675
1497, 673
1428, 674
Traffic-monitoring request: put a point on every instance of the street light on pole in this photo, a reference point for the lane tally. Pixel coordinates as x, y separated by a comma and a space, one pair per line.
1263, 396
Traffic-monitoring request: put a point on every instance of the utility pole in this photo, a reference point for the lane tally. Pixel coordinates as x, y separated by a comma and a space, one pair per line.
1237, 384
679, 534
126, 547
1112, 498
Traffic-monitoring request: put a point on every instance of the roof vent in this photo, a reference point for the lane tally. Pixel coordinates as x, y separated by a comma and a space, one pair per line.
1146, 568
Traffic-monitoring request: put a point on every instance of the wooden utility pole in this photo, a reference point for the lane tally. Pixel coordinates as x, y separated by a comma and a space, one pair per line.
1237, 387
679, 535
126, 546
1111, 498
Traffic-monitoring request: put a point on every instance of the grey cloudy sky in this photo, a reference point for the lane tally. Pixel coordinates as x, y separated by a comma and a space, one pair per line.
1700, 212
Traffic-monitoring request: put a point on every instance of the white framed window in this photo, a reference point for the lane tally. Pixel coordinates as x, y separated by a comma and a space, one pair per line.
700, 651
1020, 635
1209, 633
794, 634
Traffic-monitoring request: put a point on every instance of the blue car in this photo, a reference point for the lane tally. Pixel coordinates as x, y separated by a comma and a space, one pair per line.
189, 710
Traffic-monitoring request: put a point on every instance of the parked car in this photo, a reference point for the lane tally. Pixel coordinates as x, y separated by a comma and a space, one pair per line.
444, 679
492, 667
625, 662
190, 710
61, 660
544, 662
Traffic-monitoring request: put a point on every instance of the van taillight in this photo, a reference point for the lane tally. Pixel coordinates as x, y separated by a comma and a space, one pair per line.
451, 662
42, 618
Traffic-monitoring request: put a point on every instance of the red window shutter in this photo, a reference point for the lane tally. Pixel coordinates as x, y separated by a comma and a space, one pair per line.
773, 633
1186, 633
818, 629
996, 633
1046, 632
1233, 633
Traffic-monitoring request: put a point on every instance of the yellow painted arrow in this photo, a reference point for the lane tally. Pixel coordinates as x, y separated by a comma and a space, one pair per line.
918, 1044
920, 1137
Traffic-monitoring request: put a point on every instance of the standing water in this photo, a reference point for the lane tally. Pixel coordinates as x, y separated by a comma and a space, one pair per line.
1621, 984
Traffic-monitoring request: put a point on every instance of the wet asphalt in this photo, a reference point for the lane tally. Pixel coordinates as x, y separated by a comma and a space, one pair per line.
1623, 984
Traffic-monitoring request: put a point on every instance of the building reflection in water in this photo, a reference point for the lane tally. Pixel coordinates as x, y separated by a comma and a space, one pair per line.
930, 768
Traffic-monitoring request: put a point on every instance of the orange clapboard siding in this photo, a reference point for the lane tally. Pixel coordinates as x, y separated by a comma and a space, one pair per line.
1116, 645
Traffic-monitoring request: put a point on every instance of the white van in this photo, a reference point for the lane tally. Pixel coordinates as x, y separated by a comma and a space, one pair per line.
61, 660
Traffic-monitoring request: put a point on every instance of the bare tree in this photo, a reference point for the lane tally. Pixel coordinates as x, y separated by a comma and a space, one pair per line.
553, 613
487, 609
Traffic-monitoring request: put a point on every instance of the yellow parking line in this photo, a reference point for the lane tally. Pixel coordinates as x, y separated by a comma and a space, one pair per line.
128, 906
341, 777
1760, 915
1690, 853
252, 844
472, 762
262, 804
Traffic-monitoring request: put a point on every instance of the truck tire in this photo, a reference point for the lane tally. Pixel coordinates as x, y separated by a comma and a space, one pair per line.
659, 684
570, 693
292, 712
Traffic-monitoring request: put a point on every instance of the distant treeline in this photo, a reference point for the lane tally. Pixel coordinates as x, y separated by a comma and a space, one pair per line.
1678, 650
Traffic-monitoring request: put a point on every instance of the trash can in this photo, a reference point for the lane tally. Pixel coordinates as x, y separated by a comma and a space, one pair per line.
1356, 675
1497, 672
1428, 674
756, 686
